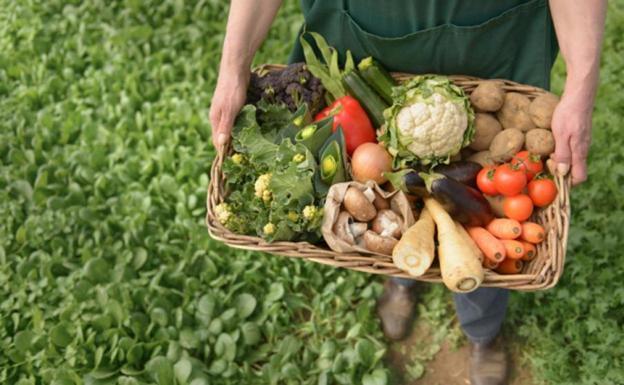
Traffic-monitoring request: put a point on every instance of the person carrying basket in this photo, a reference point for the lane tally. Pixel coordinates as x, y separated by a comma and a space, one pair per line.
507, 39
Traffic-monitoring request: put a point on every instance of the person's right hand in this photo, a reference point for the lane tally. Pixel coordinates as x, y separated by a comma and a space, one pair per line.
229, 97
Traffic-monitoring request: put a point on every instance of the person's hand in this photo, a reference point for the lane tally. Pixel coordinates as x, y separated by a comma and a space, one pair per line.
229, 97
571, 127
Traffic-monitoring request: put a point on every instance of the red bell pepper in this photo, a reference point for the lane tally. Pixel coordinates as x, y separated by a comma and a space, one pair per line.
349, 114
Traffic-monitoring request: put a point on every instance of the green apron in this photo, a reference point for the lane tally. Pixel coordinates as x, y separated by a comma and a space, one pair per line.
509, 39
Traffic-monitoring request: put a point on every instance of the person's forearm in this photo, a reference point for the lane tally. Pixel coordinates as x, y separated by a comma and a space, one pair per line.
579, 25
247, 26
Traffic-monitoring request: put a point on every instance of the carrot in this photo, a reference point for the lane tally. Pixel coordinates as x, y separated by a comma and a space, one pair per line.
491, 247
504, 228
460, 267
532, 232
529, 251
489, 264
510, 266
513, 249
415, 251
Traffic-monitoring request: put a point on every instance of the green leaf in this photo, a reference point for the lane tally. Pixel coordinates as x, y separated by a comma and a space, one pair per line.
377, 377
182, 370
97, 270
188, 339
365, 352
225, 347
206, 305
251, 333
245, 305
276, 292
60, 335
161, 370
23, 340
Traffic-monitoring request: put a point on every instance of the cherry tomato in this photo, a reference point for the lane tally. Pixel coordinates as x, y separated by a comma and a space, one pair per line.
509, 180
485, 181
530, 163
542, 191
518, 207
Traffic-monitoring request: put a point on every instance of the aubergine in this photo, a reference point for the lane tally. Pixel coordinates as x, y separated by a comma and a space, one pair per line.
464, 203
463, 171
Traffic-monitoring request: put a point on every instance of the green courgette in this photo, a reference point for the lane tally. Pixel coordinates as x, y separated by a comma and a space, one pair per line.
372, 103
377, 77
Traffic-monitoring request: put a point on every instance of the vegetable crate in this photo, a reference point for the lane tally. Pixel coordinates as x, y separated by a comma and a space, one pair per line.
541, 273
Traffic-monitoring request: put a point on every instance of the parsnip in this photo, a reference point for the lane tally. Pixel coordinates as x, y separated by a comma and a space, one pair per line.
415, 251
473, 246
460, 267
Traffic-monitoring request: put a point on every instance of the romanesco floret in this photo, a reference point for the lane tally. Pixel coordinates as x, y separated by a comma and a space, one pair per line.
298, 158
223, 213
261, 187
238, 158
268, 229
310, 212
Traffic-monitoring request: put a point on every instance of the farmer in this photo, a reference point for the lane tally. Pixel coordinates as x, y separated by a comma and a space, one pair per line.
510, 39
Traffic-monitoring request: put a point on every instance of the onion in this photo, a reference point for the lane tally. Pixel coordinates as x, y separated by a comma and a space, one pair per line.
369, 162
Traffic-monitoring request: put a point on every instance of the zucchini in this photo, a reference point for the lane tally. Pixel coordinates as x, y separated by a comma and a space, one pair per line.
377, 77
372, 103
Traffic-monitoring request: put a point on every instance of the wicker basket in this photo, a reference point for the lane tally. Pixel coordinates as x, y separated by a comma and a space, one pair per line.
541, 273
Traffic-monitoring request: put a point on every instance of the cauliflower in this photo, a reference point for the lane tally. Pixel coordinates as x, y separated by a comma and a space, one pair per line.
430, 121
261, 187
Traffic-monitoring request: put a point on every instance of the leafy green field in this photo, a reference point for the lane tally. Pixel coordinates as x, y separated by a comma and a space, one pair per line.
107, 274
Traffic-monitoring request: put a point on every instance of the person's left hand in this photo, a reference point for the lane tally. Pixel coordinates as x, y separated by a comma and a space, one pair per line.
571, 127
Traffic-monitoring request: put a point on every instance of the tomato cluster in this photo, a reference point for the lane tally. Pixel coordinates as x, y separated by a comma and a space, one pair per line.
522, 183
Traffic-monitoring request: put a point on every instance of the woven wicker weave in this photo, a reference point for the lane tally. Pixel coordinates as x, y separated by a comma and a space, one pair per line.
541, 273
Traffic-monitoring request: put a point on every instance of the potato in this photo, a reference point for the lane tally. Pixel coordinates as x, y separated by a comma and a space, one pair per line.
483, 158
488, 96
515, 112
467, 152
540, 141
506, 144
486, 128
541, 109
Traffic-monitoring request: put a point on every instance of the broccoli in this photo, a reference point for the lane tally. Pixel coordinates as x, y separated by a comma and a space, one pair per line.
291, 86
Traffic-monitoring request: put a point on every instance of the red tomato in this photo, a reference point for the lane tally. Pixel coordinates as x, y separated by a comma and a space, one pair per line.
349, 114
530, 163
509, 180
518, 207
542, 191
485, 180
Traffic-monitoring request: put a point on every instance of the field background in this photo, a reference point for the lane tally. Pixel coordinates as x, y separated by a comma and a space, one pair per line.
107, 274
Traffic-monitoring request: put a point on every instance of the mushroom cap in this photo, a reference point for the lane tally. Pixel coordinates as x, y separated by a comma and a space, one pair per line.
387, 223
378, 244
358, 205
342, 227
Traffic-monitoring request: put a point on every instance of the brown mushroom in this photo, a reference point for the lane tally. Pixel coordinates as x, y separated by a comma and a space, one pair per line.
356, 203
387, 224
378, 244
358, 228
342, 227
380, 202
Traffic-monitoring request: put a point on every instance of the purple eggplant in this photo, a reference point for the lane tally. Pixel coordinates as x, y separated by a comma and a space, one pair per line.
464, 203
463, 171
